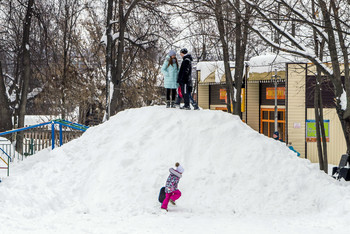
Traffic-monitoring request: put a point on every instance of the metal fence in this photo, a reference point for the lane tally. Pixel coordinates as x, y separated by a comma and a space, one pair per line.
4, 157
9, 149
36, 138
33, 141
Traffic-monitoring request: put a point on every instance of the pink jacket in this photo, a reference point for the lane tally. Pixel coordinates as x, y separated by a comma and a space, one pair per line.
172, 181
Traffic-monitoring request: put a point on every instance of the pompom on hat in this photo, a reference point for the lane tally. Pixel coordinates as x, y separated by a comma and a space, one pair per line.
180, 169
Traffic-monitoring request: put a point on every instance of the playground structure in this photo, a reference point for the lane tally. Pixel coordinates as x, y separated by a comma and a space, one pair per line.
7, 154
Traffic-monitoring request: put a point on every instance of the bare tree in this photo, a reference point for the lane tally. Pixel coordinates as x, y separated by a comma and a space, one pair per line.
109, 55
241, 32
65, 72
71, 11
5, 111
234, 32
15, 55
331, 34
222, 31
318, 103
127, 35
25, 71
114, 73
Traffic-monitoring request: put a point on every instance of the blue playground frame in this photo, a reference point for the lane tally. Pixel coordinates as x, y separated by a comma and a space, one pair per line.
60, 122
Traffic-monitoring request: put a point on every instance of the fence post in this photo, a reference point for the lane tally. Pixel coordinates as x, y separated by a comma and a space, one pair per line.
31, 146
61, 141
53, 134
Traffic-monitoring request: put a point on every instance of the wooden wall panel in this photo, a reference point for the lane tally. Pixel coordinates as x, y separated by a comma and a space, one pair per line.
296, 106
253, 106
203, 96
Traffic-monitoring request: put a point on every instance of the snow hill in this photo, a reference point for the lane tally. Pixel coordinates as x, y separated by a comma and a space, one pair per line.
235, 181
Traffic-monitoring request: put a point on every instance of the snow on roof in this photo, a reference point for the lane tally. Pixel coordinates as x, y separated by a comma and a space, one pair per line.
218, 67
271, 62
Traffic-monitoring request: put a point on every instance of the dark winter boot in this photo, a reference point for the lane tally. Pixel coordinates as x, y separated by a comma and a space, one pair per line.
177, 101
185, 108
195, 106
167, 104
172, 104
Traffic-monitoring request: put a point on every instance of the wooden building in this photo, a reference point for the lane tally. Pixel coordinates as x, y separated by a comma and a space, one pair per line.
295, 94
211, 84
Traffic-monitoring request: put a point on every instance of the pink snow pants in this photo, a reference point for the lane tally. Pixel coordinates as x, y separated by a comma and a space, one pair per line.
173, 196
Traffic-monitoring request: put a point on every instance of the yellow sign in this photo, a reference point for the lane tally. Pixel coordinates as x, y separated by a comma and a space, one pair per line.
222, 94
242, 99
281, 93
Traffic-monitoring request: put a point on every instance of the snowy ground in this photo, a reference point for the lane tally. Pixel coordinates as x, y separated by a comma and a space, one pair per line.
235, 181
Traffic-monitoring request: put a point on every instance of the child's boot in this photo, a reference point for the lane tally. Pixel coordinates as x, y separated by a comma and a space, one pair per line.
167, 104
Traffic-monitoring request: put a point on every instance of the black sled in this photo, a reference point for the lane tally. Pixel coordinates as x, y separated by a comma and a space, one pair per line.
161, 196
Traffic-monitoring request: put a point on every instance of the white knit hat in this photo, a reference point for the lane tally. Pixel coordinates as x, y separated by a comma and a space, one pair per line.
180, 169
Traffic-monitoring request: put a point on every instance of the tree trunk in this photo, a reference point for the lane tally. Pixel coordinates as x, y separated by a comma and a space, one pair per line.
345, 123
116, 102
318, 104
317, 124
25, 72
65, 62
5, 111
332, 46
345, 114
228, 75
109, 56
239, 63
241, 45
323, 133
338, 88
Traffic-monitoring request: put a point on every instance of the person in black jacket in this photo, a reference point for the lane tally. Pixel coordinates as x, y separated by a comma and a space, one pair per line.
184, 78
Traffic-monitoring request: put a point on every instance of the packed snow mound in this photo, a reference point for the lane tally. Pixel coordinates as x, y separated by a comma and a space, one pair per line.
119, 167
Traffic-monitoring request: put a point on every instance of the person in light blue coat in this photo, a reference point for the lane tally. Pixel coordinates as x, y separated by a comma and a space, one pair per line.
170, 70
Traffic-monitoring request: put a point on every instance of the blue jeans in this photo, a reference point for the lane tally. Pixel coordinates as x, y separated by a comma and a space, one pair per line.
191, 100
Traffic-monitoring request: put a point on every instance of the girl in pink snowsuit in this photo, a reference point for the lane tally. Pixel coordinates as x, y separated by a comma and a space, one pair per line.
171, 191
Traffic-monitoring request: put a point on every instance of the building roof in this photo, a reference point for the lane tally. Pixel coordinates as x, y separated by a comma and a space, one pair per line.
263, 67
214, 71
